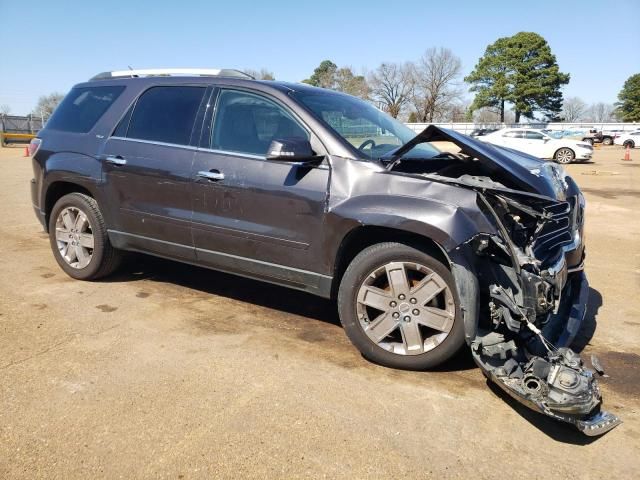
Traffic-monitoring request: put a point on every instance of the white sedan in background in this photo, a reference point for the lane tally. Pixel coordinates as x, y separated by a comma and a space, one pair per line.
539, 144
632, 139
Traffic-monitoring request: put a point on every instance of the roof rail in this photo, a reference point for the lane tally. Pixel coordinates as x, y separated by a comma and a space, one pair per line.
166, 72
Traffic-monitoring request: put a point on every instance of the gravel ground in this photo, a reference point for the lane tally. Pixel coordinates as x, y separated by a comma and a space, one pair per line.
171, 371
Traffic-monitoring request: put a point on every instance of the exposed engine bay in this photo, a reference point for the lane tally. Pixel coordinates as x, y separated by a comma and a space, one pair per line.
527, 286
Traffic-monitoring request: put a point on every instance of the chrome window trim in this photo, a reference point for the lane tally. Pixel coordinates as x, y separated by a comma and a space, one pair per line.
154, 142
199, 149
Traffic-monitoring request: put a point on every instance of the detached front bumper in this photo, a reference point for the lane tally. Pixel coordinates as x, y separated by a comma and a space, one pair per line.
551, 381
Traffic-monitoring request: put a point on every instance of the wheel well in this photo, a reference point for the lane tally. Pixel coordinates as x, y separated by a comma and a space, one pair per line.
58, 190
363, 237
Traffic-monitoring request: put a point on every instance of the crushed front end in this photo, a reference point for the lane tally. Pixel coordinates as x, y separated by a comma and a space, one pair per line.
533, 296
520, 272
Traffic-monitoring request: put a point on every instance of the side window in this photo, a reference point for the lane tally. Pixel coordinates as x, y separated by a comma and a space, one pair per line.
512, 134
247, 123
534, 136
82, 108
166, 114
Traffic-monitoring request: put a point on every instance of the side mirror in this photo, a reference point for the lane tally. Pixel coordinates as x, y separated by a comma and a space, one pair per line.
292, 150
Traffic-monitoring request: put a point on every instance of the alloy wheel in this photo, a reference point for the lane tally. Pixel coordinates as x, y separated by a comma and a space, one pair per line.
405, 308
564, 155
74, 237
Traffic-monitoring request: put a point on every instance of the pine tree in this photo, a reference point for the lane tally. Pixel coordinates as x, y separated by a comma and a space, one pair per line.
628, 108
520, 70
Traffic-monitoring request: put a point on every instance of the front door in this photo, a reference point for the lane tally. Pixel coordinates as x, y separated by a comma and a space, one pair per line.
147, 171
252, 216
537, 144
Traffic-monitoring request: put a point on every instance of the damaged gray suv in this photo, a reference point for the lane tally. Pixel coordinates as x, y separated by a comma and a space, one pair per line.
425, 249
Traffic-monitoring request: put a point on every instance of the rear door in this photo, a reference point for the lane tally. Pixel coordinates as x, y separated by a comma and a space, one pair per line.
513, 139
147, 171
253, 216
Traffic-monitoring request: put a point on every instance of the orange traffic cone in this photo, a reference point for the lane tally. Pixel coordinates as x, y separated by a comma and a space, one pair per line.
26, 151
627, 154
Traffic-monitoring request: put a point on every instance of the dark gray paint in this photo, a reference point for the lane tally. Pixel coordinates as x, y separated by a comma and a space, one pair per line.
288, 224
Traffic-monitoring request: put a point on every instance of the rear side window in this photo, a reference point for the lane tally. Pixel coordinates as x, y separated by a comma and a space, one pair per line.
82, 108
512, 134
166, 114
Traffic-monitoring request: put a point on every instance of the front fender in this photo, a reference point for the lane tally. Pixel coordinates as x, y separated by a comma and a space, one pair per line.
449, 226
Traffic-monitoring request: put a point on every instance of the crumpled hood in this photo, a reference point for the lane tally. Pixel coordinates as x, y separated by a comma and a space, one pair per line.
529, 173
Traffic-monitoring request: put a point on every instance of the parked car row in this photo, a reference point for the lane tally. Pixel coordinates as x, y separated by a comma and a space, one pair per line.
540, 144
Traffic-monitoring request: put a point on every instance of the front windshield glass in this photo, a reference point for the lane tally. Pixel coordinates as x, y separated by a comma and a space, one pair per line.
371, 131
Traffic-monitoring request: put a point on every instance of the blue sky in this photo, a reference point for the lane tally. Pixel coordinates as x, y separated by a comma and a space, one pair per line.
51, 45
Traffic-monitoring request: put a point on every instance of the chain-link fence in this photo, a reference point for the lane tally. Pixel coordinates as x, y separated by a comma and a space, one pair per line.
16, 124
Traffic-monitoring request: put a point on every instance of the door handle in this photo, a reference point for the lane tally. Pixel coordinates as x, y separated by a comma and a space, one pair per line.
117, 160
211, 175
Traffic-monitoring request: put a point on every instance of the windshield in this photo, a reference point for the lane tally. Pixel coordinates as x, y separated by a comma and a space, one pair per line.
372, 132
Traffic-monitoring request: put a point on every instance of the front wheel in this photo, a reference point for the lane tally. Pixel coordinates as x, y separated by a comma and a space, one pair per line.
79, 239
564, 155
399, 307
628, 144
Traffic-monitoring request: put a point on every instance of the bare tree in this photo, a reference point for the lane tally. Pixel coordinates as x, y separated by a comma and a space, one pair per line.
47, 104
486, 115
263, 74
573, 109
5, 109
456, 112
435, 87
390, 86
602, 112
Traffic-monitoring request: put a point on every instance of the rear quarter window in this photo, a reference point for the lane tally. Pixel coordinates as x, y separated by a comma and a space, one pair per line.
82, 108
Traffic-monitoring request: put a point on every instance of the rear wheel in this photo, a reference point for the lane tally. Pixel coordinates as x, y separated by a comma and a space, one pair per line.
564, 155
400, 308
79, 239
607, 141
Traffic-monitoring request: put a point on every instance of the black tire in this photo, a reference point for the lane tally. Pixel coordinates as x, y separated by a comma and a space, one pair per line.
629, 143
360, 268
588, 140
105, 259
607, 141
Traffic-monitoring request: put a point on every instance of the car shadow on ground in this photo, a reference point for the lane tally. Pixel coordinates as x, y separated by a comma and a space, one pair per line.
558, 431
589, 324
141, 267
145, 267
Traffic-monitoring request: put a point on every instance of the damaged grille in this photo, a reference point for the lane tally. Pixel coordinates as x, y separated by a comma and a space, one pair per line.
557, 231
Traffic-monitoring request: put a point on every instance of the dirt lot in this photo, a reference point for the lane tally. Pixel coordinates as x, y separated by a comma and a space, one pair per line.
171, 371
